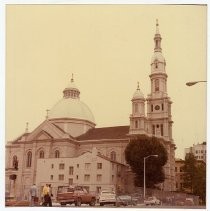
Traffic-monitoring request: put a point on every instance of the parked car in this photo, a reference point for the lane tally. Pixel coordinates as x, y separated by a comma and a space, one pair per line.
75, 195
107, 197
152, 201
126, 200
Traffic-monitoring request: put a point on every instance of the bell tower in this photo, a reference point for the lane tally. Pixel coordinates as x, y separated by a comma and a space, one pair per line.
158, 102
137, 118
159, 119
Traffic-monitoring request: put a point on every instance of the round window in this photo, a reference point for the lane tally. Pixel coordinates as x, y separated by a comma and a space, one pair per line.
157, 107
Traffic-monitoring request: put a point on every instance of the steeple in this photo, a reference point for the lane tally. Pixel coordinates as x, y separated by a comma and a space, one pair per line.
157, 39
71, 91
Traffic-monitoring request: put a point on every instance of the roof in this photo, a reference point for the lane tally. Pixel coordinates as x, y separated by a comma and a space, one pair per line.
117, 132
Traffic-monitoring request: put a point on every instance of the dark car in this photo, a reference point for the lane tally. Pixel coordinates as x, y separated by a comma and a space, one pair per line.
125, 200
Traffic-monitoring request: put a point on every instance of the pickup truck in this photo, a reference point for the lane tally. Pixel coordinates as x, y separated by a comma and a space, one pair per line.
75, 195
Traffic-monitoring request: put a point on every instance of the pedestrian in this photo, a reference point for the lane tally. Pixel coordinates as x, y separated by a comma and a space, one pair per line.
45, 193
50, 195
33, 194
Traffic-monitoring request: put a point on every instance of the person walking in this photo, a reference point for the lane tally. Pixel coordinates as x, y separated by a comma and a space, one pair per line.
46, 196
50, 195
33, 194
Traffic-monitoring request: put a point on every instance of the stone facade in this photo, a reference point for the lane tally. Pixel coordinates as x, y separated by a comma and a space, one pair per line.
68, 135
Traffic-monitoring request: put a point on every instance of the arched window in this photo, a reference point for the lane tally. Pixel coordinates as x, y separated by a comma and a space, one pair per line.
136, 124
29, 159
41, 154
15, 162
57, 154
136, 107
113, 155
156, 85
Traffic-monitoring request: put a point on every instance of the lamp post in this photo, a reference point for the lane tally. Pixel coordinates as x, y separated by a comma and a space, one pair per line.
191, 83
145, 171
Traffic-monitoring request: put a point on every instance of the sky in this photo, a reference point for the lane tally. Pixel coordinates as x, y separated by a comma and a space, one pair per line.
108, 48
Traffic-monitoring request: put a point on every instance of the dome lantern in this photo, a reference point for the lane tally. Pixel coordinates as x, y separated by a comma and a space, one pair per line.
71, 91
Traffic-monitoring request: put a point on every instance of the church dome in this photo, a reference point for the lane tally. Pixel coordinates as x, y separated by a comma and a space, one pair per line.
70, 106
138, 94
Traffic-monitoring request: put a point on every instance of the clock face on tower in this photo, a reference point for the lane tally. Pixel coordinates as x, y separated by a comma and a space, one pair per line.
157, 107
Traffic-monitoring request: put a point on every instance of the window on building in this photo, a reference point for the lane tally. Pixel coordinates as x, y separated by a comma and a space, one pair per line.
57, 154
153, 129
87, 166
41, 154
61, 166
156, 43
70, 181
181, 169
77, 177
156, 64
87, 177
29, 159
136, 124
71, 170
162, 106
99, 178
113, 155
177, 185
136, 107
99, 165
98, 189
15, 162
161, 129
175, 169
52, 166
61, 177
113, 166
77, 165
152, 108
51, 177
156, 84
112, 178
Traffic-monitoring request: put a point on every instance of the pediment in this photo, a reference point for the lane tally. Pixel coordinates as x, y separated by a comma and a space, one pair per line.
46, 131
43, 136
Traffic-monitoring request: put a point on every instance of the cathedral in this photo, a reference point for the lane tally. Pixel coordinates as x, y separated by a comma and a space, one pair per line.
68, 149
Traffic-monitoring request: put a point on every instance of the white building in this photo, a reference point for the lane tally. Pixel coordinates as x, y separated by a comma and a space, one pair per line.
69, 134
199, 151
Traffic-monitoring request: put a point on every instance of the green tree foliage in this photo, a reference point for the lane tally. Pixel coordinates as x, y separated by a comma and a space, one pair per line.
141, 147
195, 176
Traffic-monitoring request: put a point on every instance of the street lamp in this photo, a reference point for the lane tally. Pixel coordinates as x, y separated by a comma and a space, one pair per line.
191, 83
145, 171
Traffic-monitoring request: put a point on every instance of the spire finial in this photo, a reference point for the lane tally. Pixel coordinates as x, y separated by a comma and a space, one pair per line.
138, 86
26, 127
47, 113
72, 77
157, 27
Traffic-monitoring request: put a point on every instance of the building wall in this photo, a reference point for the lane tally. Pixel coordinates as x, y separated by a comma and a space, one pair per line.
85, 172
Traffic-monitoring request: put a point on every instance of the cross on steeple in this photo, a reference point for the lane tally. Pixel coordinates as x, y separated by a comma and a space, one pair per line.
72, 77
47, 111
26, 131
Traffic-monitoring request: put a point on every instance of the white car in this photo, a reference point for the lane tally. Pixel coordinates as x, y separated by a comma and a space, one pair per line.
107, 197
152, 201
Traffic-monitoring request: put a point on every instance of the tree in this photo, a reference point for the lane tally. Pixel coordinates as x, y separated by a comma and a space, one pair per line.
195, 176
199, 187
141, 147
189, 171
